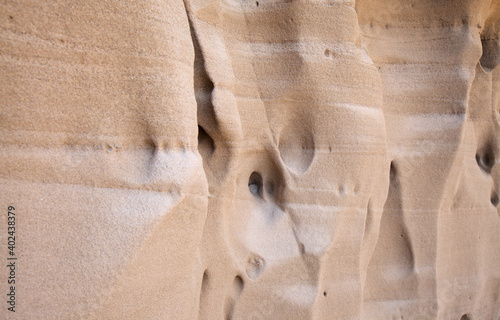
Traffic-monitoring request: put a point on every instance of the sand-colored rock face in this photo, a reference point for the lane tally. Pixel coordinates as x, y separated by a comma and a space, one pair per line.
242, 159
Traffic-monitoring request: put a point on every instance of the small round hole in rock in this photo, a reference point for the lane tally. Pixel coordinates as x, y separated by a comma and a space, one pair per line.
486, 161
255, 184
255, 266
494, 198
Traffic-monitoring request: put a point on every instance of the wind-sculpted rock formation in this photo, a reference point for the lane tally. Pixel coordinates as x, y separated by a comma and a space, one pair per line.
251, 159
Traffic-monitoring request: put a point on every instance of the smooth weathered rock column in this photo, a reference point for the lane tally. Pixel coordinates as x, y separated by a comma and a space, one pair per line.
98, 154
302, 205
429, 260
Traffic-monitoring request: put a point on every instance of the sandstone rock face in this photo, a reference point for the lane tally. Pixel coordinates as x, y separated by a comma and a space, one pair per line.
251, 159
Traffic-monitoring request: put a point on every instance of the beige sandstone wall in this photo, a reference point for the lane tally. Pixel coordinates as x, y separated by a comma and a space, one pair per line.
251, 159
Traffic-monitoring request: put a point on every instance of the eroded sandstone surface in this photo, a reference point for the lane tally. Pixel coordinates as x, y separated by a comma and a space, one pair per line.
251, 159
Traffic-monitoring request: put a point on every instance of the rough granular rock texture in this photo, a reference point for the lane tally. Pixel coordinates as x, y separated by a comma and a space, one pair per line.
243, 159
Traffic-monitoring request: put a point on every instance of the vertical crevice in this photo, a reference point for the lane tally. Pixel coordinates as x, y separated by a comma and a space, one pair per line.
203, 294
206, 145
203, 90
236, 289
393, 255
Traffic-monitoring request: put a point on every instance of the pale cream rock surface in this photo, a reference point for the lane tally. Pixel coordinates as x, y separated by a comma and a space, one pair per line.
251, 159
